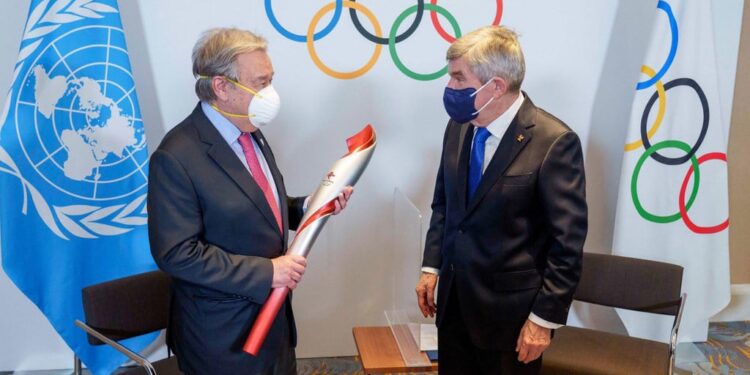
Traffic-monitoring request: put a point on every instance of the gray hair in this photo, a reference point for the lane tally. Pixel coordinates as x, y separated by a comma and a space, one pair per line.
491, 51
215, 54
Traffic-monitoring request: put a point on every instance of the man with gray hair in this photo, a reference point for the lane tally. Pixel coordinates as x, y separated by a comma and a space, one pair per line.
509, 215
219, 214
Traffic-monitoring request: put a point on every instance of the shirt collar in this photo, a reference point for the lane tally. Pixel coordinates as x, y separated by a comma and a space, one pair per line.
498, 127
228, 131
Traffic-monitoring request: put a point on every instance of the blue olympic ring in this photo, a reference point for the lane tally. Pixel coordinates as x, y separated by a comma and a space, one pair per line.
303, 38
672, 50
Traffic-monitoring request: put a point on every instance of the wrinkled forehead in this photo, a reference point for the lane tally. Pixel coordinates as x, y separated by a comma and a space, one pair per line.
254, 65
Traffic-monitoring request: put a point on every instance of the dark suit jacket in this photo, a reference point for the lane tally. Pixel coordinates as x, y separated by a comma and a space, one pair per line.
516, 247
212, 230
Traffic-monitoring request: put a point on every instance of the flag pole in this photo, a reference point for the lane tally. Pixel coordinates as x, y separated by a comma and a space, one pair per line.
77, 368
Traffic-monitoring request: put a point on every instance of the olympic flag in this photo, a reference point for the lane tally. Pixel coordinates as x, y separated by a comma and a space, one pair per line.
73, 166
345, 172
673, 204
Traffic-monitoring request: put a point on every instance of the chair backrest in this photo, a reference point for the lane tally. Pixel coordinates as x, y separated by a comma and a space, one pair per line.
127, 307
630, 283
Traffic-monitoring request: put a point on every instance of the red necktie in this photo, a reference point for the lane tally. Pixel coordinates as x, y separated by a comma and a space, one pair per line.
258, 175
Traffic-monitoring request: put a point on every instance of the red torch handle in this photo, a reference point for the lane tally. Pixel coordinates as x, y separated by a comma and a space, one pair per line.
264, 320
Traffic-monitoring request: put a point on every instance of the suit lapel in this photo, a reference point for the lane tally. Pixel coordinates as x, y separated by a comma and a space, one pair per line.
227, 160
514, 140
466, 134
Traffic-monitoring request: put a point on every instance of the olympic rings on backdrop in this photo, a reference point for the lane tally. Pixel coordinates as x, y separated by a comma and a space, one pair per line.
663, 5
683, 208
354, 8
392, 44
301, 38
448, 38
412, 28
314, 55
704, 127
652, 151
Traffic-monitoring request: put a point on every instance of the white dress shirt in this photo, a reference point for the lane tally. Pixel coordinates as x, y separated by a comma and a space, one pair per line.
497, 130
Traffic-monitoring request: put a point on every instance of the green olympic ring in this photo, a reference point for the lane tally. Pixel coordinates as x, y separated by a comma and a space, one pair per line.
636, 171
392, 42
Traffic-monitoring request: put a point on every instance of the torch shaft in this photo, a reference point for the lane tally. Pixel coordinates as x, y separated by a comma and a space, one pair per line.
346, 171
265, 319
261, 326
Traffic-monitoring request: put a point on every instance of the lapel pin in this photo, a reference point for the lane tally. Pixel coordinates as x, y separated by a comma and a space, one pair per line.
520, 138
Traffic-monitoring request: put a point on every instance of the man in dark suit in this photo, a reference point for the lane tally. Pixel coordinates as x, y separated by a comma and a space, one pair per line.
509, 216
219, 214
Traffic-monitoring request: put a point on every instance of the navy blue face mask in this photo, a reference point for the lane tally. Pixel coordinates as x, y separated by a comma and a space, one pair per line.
460, 103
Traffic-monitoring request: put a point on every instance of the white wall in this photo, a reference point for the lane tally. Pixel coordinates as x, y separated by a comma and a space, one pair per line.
582, 63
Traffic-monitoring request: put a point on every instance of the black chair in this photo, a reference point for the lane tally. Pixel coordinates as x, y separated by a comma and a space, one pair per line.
128, 307
628, 283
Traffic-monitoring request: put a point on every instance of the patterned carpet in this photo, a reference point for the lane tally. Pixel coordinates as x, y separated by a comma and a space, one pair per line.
727, 352
336, 365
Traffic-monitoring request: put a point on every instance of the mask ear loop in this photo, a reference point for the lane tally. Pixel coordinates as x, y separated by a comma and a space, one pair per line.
230, 114
241, 86
485, 104
238, 85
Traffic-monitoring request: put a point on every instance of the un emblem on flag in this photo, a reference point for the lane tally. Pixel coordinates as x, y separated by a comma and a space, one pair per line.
79, 130
81, 100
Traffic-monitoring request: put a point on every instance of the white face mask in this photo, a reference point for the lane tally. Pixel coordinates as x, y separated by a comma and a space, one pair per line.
264, 107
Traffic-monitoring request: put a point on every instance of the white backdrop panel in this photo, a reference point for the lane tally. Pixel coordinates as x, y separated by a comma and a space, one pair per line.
582, 61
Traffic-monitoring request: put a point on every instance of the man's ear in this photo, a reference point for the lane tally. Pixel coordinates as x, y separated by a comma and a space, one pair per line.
220, 87
499, 86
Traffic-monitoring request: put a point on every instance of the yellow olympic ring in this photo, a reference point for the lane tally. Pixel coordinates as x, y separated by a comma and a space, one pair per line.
659, 115
311, 47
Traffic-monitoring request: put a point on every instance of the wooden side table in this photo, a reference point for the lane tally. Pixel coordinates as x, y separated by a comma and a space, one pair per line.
378, 352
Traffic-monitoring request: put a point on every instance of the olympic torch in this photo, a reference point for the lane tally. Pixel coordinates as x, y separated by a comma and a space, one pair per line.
345, 172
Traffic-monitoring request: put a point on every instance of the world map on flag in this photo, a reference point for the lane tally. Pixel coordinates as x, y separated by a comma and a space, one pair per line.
106, 131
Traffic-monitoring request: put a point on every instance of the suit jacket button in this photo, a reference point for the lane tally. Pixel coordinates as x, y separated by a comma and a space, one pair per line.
452, 269
460, 231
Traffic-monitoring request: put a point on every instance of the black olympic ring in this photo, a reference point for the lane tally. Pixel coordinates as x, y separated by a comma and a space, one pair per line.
704, 129
379, 40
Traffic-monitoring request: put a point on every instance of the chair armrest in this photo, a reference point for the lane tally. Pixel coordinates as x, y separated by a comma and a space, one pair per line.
675, 331
135, 357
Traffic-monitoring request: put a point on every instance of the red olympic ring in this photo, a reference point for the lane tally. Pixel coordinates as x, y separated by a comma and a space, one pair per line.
683, 210
450, 39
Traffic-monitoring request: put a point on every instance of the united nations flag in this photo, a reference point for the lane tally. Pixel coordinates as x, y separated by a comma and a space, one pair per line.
73, 166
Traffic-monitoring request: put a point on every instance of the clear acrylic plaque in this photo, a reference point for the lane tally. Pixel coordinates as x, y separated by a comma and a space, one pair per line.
404, 317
